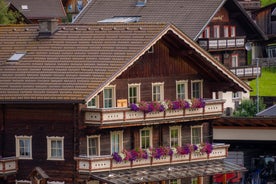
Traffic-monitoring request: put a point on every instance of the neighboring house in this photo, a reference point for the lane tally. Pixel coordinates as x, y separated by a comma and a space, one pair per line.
40, 9
21, 18
222, 27
250, 5
64, 104
266, 19
73, 7
252, 141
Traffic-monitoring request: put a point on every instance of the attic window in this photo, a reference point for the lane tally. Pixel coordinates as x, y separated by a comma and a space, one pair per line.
122, 19
24, 7
16, 57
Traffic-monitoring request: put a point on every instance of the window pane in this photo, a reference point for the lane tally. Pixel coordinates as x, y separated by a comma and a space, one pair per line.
174, 137
133, 94
24, 147
107, 98
156, 93
115, 138
196, 135
145, 139
56, 148
196, 89
93, 146
181, 91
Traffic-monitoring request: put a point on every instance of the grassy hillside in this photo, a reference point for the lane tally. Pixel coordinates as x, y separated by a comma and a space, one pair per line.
267, 2
267, 83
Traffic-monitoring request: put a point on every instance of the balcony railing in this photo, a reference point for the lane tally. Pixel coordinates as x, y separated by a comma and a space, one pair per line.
8, 165
107, 163
221, 43
250, 5
248, 72
110, 116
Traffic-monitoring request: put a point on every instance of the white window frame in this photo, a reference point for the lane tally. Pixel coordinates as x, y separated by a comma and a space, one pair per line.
216, 31
113, 93
237, 95
178, 128
138, 88
49, 148
98, 144
17, 140
205, 33
150, 137
201, 88
226, 31
181, 82
96, 98
234, 60
159, 97
201, 134
232, 31
120, 141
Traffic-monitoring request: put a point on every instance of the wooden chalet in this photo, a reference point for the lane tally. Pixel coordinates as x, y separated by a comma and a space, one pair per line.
68, 96
222, 27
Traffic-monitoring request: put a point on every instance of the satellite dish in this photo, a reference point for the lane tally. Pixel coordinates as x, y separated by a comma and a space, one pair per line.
248, 46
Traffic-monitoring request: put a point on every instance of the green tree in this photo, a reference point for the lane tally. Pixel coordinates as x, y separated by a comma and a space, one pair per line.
7, 16
248, 108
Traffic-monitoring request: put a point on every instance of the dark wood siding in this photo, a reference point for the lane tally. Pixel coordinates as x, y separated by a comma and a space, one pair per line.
40, 121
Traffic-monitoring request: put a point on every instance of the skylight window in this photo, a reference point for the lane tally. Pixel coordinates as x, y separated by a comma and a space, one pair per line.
16, 57
121, 19
24, 7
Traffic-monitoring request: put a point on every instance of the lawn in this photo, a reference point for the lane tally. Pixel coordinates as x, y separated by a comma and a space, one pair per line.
267, 2
267, 83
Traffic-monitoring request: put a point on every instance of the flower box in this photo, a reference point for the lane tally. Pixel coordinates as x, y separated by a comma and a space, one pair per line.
141, 162
123, 164
161, 160
174, 113
180, 158
155, 114
199, 156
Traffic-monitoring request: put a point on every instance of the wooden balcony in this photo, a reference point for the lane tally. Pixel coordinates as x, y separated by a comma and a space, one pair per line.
113, 116
221, 43
8, 165
247, 72
250, 5
107, 163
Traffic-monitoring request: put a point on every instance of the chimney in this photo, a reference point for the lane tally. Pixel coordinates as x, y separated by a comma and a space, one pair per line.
47, 27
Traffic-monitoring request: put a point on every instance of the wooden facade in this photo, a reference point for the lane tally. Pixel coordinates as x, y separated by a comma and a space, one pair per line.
225, 38
54, 134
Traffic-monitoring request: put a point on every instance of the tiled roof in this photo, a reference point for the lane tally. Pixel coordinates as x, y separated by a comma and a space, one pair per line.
269, 112
71, 64
78, 61
40, 9
189, 16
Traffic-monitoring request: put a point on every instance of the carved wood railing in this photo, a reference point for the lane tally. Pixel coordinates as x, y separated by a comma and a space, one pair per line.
108, 116
107, 163
246, 71
8, 165
221, 43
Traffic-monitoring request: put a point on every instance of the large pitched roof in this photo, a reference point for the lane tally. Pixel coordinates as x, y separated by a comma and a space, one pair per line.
78, 61
40, 9
190, 16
